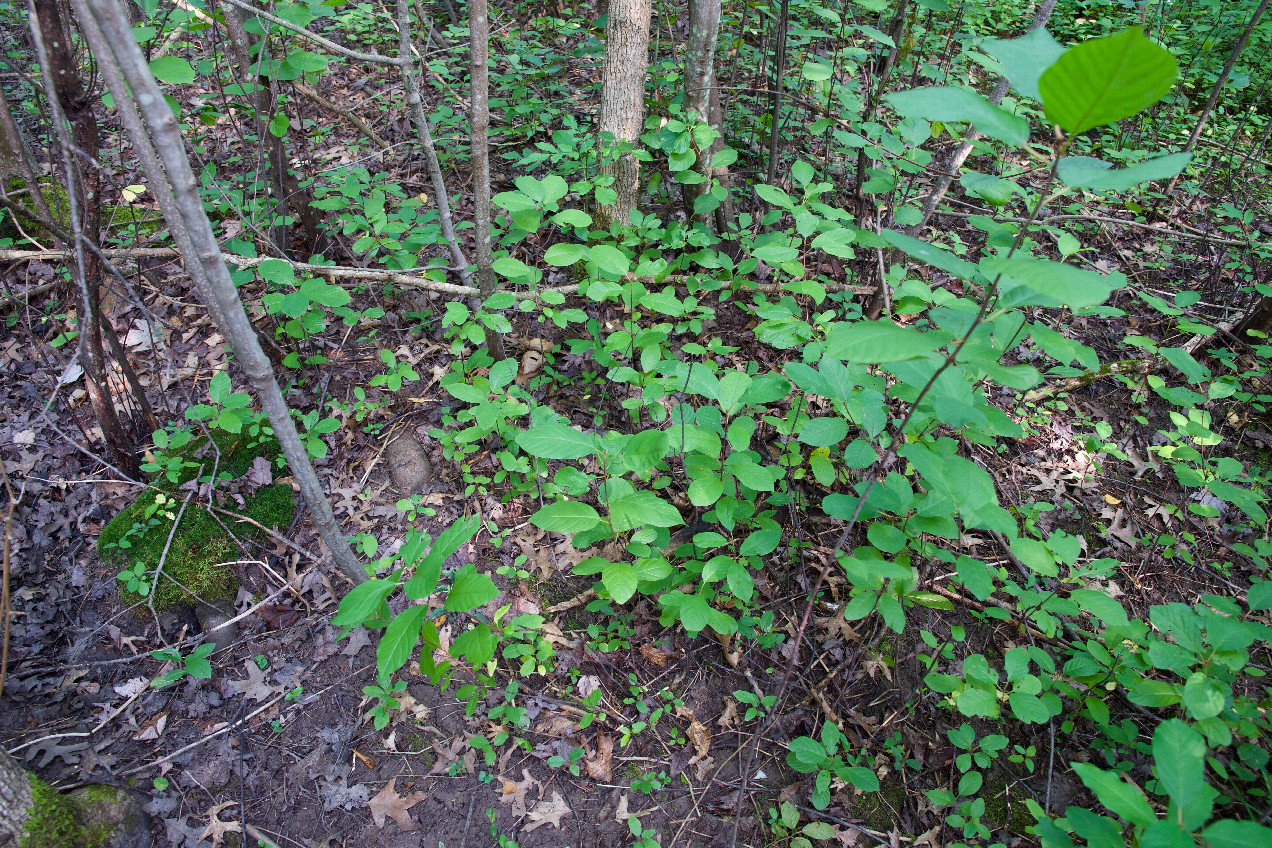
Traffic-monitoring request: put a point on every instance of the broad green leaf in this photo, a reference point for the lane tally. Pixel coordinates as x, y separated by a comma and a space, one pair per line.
1041, 282
566, 517
554, 439
303, 60
705, 491
871, 342
642, 508
399, 639
1230, 833
1024, 59
470, 589
477, 646
1098, 175
1100, 604
565, 254
1179, 753
1122, 798
886, 538
362, 601
1154, 693
993, 190
948, 103
932, 255
610, 259
1203, 696
1192, 370
572, 218
761, 542
974, 702
816, 71
1259, 596
837, 242
511, 268
823, 432
620, 581
172, 69
1104, 80
429, 568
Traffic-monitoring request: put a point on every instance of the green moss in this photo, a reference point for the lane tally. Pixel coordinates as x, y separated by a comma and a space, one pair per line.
52, 823
193, 565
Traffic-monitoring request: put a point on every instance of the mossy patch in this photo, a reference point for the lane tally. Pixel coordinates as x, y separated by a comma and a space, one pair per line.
193, 567
52, 823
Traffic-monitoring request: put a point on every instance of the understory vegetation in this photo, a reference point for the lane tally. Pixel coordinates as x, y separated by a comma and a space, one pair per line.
894, 470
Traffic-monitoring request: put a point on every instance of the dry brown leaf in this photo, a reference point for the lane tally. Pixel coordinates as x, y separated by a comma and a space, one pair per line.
600, 766
515, 793
152, 728
547, 812
657, 656
389, 804
729, 717
217, 828
701, 739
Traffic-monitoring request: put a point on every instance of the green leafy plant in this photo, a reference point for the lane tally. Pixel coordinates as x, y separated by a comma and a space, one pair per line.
194, 664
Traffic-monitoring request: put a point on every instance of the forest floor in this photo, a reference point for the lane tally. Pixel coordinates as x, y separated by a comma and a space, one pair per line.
277, 745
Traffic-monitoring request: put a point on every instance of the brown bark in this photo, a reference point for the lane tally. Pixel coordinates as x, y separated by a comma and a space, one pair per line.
623, 99
479, 35
76, 107
702, 99
291, 198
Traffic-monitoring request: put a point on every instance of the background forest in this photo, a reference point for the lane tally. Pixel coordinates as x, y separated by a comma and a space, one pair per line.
619, 424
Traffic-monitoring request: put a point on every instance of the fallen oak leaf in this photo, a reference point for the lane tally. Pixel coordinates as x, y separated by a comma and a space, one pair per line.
217, 828
547, 812
600, 765
701, 739
389, 804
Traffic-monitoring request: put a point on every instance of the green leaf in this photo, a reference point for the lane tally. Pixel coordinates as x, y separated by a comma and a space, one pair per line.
620, 581
303, 60
1192, 370
1041, 282
642, 508
362, 601
470, 589
1099, 604
1122, 798
278, 125
172, 69
993, 190
1203, 696
1024, 59
974, 702
1230, 833
1179, 753
816, 71
429, 568
1259, 596
886, 538
705, 491
564, 254
1098, 175
476, 645
948, 103
400, 639
554, 439
566, 517
1104, 80
1154, 693
932, 255
511, 268
823, 432
610, 259
761, 542
871, 342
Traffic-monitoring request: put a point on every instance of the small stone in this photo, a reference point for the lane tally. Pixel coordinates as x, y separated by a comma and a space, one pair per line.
408, 463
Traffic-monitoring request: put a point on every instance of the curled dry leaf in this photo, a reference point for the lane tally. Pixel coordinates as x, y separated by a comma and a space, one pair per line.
657, 656
217, 828
547, 812
701, 739
600, 766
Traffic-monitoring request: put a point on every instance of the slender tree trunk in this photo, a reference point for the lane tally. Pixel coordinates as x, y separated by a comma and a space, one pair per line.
702, 100
415, 106
1233, 55
623, 101
290, 197
157, 144
479, 35
779, 72
70, 102
952, 165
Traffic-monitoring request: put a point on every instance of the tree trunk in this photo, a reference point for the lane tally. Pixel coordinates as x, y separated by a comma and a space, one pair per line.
479, 35
702, 100
15, 800
157, 143
623, 101
779, 73
288, 194
70, 102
